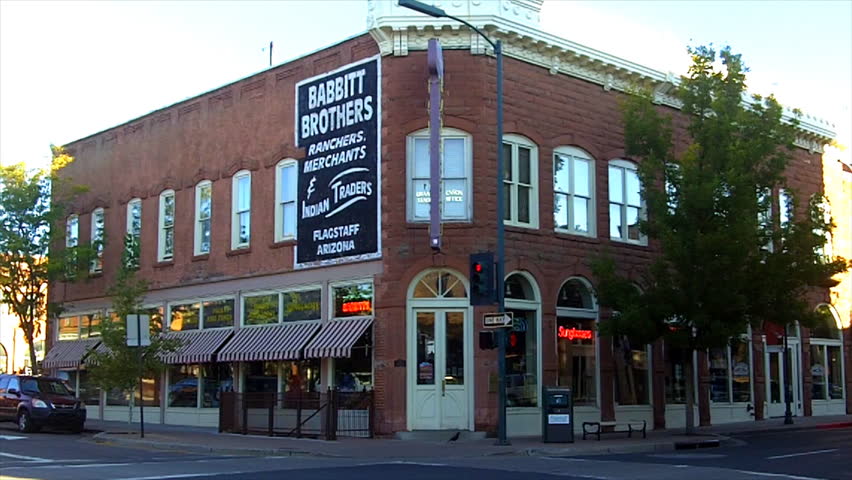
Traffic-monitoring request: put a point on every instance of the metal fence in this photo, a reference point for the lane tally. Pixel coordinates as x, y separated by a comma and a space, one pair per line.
298, 414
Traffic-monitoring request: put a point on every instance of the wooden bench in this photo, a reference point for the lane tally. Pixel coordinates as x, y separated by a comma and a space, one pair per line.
629, 426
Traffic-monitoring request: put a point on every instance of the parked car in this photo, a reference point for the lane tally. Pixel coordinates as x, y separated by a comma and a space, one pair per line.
36, 402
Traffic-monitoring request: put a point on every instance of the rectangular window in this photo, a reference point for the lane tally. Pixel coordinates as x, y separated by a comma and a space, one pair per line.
87, 391
203, 212
90, 325
241, 221
785, 205
572, 193
260, 309
818, 372
218, 313
150, 392
261, 377
301, 305
741, 370
166, 246
522, 361
355, 373
764, 216
626, 207
575, 349
835, 373
632, 372
519, 184
353, 300
285, 194
72, 231
118, 398
455, 178
69, 328
216, 378
97, 236
301, 375
676, 376
183, 386
718, 358
184, 317
134, 233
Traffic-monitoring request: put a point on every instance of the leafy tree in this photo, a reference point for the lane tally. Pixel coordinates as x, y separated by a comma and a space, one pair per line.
723, 261
114, 365
32, 209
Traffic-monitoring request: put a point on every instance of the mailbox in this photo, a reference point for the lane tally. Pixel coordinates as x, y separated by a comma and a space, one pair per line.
557, 415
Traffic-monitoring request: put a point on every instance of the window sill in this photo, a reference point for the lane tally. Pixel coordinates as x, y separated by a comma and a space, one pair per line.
290, 242
97, 274
238, 251
524, 230
578, 237
201, 257
631, 243
165, 263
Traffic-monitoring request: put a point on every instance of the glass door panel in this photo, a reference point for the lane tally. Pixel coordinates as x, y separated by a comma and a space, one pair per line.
425, 348
454, 348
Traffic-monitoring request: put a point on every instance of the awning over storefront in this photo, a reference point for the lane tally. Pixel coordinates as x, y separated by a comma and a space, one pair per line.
69, 353
269, 342
337, 338
197, 346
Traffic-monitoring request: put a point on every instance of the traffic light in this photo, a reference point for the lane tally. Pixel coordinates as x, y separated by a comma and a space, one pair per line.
482, 278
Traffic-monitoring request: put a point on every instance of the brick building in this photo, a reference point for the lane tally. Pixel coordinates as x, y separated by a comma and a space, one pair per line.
209, 188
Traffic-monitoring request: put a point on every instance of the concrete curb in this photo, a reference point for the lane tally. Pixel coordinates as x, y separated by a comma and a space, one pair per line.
786, 428
108, 438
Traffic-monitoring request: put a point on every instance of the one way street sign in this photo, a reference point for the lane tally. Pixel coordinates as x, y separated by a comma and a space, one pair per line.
497, 320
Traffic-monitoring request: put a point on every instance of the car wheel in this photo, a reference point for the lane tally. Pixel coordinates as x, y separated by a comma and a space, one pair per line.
25, 423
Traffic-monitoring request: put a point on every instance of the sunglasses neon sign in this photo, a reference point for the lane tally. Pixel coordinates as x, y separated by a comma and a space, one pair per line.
352, 307
574, 334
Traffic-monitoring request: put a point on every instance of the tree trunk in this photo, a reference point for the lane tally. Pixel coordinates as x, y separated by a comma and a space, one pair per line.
690, 397
28, 327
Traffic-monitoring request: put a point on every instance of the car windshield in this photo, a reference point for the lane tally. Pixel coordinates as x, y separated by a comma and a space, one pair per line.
39, 385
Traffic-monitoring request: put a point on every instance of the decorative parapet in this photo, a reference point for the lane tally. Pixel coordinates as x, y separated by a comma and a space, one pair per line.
398, 30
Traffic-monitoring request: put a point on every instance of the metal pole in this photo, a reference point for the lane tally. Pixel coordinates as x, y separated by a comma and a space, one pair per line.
501, 260
141, 399
788, 415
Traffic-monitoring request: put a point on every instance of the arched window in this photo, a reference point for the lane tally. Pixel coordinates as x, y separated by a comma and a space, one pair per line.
456, 176
626, 205
576, 314
573, 191
826, 356
523, 349
440, 284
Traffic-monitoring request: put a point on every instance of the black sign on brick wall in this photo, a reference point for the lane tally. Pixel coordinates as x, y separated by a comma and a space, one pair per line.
338, 122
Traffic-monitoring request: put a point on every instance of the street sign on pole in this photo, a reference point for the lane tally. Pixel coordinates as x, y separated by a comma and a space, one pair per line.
138, 332
498, 320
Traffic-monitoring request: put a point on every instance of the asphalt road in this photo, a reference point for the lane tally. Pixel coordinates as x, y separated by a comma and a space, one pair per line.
801, 455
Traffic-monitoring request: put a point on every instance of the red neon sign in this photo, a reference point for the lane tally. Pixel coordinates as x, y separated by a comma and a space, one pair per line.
574, 334
352, 307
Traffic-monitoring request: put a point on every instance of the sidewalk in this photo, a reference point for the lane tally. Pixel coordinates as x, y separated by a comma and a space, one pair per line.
208, 440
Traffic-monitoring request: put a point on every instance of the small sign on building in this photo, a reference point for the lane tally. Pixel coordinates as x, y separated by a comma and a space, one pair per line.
497, 320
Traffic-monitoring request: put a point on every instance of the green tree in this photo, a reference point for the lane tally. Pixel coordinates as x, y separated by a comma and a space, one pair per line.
32, 214
114, 365
723, 261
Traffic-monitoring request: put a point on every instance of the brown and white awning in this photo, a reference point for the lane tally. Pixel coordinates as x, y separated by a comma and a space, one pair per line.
69, 353
268, 342
197, 346
337, 338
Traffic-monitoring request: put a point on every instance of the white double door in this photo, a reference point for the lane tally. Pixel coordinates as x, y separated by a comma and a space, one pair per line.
776, 379
438, 374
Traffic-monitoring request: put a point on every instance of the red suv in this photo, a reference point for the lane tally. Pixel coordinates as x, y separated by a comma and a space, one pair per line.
35, 402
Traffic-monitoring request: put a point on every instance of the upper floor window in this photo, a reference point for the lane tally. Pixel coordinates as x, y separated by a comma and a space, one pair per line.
241, 220
626, 207
166, 230
97, 236
285, 200
72, 231
573, 185
764, 216
456, 178
203, 211
785, 206
520, 181
134, 217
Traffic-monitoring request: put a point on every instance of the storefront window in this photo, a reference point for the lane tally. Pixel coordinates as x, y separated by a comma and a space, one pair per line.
631, 372
718, 358
305, 305
261, 377
302, 375
261, 310
353, 300
522, 361
218, 313
90, 325
676, 376
118, 398
69, 328
150, 392
155, 319
183, 386
818, 371
87, 391
575, 345
741, 370
835, 374
355, 373
218, 378
185, 317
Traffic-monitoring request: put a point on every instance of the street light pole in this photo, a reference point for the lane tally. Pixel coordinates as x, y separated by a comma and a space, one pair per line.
499, 256
788, 414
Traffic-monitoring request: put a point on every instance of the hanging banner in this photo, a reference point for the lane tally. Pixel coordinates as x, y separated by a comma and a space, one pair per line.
338, 122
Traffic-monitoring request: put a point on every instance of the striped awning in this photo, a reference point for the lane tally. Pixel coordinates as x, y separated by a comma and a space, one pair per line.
337, 338
69, 353
268, 342
197, 346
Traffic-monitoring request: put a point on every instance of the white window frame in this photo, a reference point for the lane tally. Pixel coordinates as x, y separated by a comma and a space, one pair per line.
164, 230
832, 342
281, 202
411, 201
236, 212
511, 200
625, 165
72, 231
569, 154
200, 302
200, 220
132, 205
97, 236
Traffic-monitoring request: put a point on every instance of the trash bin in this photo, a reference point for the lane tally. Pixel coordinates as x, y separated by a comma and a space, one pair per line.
557, 415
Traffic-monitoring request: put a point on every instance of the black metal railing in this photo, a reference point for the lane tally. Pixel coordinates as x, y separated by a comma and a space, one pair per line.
298, 414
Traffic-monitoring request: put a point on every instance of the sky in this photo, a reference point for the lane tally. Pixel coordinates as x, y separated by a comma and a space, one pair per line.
69, 69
